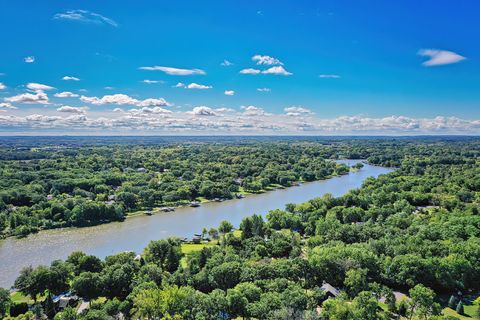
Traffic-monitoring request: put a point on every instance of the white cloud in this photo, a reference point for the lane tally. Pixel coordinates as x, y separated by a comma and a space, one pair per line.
2, 86
39, 97
264, 89
175, 71
226, 63
229, 92
77, 110
66, 94
250, 71
70, 78
202, 111
85, 17
146, 110
109, 88
7, 105
253, 111
440, 57
297, 111
279, 70
151, 81
123, 99
224, 110
29, 59
194, 85
155, 120
151, 102
266, 60
329, 76
38, 86
180, 85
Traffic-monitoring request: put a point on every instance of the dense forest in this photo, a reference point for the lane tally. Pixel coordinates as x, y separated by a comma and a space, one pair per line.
403, 246
79, 186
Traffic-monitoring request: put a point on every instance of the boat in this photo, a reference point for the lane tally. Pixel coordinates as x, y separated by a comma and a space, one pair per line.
194, 204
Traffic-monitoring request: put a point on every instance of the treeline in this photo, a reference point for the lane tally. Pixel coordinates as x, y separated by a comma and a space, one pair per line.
415, 231
81, 186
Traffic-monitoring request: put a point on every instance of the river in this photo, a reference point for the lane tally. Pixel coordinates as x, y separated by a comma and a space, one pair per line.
136, 232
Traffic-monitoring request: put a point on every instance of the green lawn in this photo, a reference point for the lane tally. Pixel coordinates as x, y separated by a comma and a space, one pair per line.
188, 248
469, 312
18, 297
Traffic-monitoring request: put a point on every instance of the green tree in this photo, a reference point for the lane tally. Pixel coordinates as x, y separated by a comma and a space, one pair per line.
165, 253
422, 302
459, 309
356, 281
225, 227
88, 285
5, 302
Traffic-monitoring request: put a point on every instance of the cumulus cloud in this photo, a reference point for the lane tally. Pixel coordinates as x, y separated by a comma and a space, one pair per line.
29, 59
85, 17
69, 109
297, 111
175, 71
224, 110
2, 86
266, 60
253, 111
264, 89
38, 87
70, 78
194, 85
439, 57
229, 92
203, 120
226, 63
66, 94
7, 105
146, 110
279, 70
123, 99
202, 111
329, 76
250, 71
39, 97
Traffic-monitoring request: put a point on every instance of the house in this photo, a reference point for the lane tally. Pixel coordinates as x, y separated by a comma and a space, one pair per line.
197, 239
420, 209
141, 170
330, 291
49, 197
111, 197
64, 300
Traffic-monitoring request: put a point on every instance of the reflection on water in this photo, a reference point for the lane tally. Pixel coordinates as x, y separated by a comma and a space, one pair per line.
135, 233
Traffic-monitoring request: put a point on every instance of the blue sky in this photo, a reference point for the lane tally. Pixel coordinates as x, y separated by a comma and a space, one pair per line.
322, 67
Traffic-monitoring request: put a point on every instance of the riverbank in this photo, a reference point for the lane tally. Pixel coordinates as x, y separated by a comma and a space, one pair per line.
135, 233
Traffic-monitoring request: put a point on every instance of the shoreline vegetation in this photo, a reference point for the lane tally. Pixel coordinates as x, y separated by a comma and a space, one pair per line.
169, 208
58, 187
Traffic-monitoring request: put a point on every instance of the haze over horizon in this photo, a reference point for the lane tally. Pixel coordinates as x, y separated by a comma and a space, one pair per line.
236, 68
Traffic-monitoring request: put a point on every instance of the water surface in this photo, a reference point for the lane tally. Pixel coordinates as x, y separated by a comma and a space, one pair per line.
135, 233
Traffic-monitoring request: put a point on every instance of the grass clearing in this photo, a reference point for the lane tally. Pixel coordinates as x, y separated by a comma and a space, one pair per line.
469, 313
